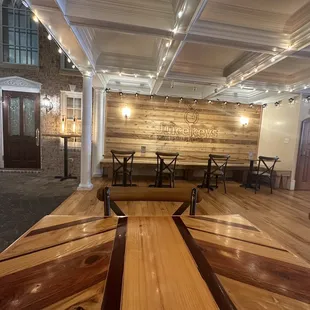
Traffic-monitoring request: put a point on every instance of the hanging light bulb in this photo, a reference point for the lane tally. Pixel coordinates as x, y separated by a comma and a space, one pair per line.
69, 60
35, 18
49, 37
73, 66
60, 51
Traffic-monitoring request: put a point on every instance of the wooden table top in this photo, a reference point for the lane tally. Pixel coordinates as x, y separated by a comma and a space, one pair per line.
202, 262
61, 135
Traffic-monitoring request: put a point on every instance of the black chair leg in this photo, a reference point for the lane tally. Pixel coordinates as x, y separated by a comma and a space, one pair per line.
270, 185
224, 181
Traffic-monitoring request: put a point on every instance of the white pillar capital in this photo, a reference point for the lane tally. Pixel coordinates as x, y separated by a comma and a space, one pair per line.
85, 182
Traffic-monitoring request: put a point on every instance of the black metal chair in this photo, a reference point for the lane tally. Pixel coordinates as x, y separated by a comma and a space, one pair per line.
189, 197
216, 168
265, 170
166, 163
122, 166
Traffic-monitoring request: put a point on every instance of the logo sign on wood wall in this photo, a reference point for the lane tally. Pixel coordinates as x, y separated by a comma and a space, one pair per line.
190, 130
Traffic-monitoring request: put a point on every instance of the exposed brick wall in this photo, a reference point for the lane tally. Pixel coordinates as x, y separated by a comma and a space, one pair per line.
53, 80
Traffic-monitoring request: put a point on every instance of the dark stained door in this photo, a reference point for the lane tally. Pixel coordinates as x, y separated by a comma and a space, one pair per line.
21, 129
303, 163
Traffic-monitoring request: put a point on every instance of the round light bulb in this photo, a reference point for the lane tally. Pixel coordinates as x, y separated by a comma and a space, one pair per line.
49, 37
60, 51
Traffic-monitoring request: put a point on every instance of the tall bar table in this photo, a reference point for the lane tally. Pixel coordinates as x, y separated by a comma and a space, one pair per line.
65, 137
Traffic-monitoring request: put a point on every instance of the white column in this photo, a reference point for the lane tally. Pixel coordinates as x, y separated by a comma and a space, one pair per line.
99, 130
85, 182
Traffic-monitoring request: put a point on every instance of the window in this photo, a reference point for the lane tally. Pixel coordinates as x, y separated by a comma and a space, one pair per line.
71, 115
67, 64
19, 34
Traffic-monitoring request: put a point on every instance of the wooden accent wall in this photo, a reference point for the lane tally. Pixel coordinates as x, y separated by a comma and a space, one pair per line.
193, 130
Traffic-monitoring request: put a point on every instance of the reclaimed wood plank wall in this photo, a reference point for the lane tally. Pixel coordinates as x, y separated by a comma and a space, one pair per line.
193, 130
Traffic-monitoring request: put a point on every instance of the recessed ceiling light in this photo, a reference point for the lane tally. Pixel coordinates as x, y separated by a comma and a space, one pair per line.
242, 78
136, 75
254, 89
164, 59
267, 91
167, 44
273, 59
151, 76
274, 49
305, 87
180, 14
279, 91
175, 30
291, 90
120, 74
256, 69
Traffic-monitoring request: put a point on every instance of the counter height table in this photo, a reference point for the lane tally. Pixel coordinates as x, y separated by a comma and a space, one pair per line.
139, 263
65, 137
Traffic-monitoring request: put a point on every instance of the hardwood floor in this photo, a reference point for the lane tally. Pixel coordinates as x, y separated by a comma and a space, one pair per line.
284, 215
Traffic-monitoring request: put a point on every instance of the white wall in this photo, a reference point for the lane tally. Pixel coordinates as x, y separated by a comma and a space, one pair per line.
280, 134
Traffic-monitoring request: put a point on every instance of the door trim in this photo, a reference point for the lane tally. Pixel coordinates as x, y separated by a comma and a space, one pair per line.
18, 84
299, 149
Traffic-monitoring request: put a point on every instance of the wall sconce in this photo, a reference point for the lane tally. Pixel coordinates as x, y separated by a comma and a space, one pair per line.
126, 112
47, 104
244, 121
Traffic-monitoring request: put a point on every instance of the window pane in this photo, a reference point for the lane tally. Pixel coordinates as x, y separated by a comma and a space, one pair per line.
29, 117
23, 37
34, 40
35, 58
14, 117
5, 53
69, 102
11, 55
23, 57
17, 59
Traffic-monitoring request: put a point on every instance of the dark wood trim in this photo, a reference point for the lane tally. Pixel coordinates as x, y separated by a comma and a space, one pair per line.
226, 223
64, 225
224, 236
60, 243
219, 294
181, 209
113, 288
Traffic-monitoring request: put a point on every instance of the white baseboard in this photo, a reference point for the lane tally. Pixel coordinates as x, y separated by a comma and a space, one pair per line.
292, 185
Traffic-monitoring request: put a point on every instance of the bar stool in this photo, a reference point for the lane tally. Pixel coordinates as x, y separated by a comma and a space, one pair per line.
165, 165
122, 165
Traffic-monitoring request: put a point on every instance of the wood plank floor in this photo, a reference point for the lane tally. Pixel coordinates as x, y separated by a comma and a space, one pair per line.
283, 215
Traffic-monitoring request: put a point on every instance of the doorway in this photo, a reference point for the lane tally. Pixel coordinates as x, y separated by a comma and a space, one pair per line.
21, 130
303, 162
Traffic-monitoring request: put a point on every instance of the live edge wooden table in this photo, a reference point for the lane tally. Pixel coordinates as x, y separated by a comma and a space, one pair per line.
139, 263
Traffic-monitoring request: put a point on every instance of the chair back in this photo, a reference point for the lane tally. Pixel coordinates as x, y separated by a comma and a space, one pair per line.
266, 165
219, 163
120, 157
166, 161
189, 197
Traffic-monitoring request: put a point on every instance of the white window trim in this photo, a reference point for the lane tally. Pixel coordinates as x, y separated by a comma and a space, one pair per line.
63, 102
14, 83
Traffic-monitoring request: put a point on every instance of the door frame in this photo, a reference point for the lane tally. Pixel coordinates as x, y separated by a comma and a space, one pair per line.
18, 84
306, 120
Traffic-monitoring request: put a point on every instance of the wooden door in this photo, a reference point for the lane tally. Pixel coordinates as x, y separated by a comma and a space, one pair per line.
21, 130
303, 163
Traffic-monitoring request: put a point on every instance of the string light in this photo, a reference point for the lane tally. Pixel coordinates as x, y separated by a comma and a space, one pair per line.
152, 96
121, 94
209, 101
73, 66
264, 105
35, 18
60, 51
136, 94
225, 103
251, 105
49, 37
238, 104
255, 70
167, 44
69, 60
279, 92
195, 101
266, 91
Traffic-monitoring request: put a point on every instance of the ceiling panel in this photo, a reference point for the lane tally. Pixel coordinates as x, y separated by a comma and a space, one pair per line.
208, 55
289, 66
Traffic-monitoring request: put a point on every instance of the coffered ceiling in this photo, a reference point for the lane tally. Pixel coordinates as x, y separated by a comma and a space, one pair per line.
237, 50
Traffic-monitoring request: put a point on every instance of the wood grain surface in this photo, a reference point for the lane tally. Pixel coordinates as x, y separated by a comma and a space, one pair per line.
192, 130
147, 263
